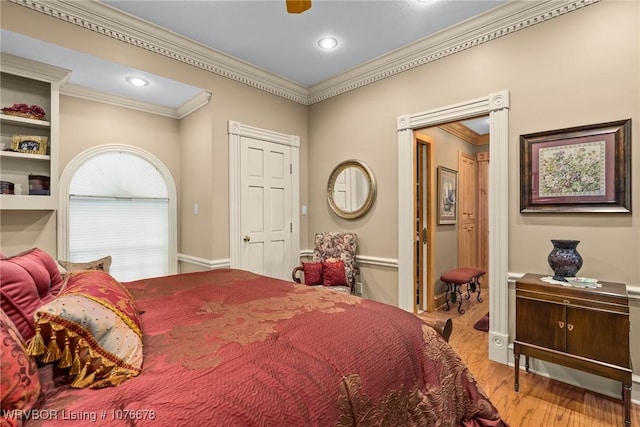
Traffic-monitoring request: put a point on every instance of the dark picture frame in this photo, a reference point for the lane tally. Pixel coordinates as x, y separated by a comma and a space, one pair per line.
447, 196
578, 169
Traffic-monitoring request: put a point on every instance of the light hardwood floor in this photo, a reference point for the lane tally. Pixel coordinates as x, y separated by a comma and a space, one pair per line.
541, 402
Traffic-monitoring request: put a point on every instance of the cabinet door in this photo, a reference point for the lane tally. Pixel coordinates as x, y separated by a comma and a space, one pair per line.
468, 187
541, 323
598, 335
467, 246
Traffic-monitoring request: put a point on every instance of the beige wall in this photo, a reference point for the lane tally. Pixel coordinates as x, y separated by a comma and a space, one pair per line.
579, 68
560, 73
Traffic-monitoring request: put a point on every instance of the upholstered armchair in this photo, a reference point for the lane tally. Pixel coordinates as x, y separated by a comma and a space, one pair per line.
331, 250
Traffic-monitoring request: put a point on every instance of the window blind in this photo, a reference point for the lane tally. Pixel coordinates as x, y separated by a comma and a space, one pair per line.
134, 231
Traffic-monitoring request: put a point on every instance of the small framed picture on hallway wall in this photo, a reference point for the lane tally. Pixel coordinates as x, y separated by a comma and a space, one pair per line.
447, 196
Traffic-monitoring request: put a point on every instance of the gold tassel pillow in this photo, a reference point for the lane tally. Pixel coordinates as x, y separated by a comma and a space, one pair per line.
92, 329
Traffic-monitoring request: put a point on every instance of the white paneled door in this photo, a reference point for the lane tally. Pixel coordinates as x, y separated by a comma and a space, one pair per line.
266, 214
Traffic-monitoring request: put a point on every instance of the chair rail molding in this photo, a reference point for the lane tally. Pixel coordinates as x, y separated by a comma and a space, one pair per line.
361, 259
211, 264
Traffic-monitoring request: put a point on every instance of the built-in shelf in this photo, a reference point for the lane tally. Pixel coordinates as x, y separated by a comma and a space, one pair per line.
23, 121
31, 83
17, 155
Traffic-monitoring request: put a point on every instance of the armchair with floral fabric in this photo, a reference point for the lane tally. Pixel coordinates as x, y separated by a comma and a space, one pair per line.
334, 262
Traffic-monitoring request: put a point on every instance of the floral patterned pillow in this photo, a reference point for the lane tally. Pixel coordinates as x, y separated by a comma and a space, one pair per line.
19, 380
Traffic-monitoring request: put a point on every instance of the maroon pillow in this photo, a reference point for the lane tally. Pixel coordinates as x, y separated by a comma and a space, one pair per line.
28, 280
312, 273
19, 380
333, 273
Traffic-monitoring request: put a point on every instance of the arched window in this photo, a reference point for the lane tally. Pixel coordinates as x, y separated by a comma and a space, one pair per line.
119, 201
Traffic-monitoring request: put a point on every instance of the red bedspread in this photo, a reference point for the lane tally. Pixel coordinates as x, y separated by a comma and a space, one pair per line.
231, 348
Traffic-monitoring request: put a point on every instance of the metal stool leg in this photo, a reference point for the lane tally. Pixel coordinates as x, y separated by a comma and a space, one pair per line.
446, 308
457, 289
479, 289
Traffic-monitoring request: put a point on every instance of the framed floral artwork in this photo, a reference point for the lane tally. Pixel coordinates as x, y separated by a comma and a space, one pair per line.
447, 195
578, 169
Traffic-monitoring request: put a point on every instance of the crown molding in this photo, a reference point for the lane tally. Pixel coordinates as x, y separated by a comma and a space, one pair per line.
198, 101
464, 133
182, 111
34, 70
501, 21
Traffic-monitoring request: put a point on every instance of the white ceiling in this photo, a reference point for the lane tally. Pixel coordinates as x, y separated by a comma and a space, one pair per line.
262, 33
97, 74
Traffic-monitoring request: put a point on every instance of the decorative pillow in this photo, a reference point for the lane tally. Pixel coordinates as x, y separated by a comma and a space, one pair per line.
312, 273
27, 281
92, 328
333, 273
100, 264
19, 380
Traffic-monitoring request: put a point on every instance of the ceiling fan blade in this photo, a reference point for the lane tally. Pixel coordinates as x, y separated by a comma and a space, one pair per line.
298, 6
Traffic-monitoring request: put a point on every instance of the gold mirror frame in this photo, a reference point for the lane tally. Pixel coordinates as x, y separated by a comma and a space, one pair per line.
371, 194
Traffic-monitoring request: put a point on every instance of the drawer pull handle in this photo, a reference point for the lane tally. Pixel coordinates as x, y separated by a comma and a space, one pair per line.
566, 301
561, 324
569, 326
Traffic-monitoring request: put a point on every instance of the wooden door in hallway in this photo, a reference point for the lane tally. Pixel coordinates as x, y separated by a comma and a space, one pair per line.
467, 210
473, 228
423, 287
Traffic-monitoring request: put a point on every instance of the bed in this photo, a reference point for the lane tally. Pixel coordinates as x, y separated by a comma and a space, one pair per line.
229, 347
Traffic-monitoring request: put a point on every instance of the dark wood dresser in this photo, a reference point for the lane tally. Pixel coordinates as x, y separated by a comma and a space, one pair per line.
581, 328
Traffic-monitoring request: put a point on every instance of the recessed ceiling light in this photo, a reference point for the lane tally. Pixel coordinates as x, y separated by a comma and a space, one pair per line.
137, 81
328, 42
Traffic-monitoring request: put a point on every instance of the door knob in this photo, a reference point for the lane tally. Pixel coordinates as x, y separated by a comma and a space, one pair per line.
246, 238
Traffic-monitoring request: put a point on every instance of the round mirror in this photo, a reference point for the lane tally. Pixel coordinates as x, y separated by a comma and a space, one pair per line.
351, 189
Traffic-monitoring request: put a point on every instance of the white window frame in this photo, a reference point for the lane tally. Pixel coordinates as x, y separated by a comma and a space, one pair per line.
65, 183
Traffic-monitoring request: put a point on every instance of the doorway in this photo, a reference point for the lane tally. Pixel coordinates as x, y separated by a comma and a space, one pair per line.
458, 146
264, 200
497, 106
